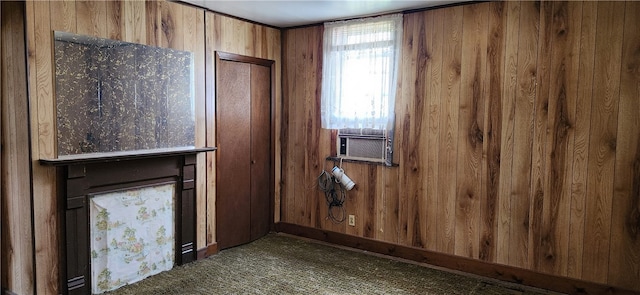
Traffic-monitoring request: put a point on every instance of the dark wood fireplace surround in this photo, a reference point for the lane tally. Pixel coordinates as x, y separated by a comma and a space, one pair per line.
81, 177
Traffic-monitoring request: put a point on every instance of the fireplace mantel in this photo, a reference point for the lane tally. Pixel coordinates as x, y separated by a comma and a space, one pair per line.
122, 156
82, 176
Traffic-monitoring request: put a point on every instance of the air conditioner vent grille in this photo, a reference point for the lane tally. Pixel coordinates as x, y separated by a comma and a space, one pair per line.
366, 148
362, 144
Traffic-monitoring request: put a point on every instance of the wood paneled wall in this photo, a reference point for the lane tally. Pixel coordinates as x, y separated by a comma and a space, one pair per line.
155, 23
15, 200
517, 140
231, 35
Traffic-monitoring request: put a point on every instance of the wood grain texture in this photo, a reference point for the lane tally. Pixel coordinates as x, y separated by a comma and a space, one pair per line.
525, 97
493, 130
230, 35
15, 202
411, 124
194, 41
46, 219
471, 137
581, 140
91, 18
233, 200
624, 261
540, 134
564, 60
603, 141
509, 90
434, 105
261, 150
554, 153
448, 147
184, 29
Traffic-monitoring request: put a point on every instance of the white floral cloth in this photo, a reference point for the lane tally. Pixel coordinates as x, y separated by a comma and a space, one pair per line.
132, 235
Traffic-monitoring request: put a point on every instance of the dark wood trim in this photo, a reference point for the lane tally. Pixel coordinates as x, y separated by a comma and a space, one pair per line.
272, 177
207, 251
79, 182
7, 292
122, 156
477, 267
220, 55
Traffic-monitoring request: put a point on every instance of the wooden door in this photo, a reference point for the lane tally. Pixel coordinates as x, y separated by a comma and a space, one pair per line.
233, 154
260, 149
243, 120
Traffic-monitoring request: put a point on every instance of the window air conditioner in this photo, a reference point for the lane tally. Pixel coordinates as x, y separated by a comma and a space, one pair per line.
362, 144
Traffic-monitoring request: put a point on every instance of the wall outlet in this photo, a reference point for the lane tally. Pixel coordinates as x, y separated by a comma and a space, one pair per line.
352, 220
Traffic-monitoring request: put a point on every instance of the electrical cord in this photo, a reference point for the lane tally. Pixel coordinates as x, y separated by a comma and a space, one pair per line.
335, 196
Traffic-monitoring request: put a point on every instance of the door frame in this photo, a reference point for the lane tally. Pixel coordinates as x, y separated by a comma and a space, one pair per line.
226, 56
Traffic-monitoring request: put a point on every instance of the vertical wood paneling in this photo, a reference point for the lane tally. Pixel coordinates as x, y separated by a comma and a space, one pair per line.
412, 178
312, 124
180, 27
603, 140
134, 22
581, 140
390, 204
172, 25
194, 41
509, 90
15, 202
92, 17
565, 31
430, 230
540, 134
288, 42
274, 50
403, 121
298, 163
493, 130
210, 86
624, 261
154, 26
523, 134
46, 223
471, 136
114, 19
550, 155
551, 174
448, 147
235, 36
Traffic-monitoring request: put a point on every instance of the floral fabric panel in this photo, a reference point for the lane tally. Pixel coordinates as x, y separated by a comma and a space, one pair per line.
132, 235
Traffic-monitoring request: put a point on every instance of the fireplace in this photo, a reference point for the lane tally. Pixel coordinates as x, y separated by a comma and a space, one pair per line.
131, 235
139, 206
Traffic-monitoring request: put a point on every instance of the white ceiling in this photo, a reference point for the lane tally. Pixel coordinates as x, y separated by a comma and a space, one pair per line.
292, 13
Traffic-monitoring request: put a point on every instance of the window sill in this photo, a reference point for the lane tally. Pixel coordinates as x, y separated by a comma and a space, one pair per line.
337, 159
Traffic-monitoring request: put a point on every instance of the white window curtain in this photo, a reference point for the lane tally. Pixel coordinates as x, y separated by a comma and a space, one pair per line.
359, 74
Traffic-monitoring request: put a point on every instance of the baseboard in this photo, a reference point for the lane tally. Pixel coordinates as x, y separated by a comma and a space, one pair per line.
207, 251
468, 265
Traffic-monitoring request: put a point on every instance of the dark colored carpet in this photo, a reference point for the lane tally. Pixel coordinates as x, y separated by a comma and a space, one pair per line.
281, 264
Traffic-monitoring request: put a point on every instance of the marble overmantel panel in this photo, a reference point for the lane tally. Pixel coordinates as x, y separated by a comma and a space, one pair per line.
114, 96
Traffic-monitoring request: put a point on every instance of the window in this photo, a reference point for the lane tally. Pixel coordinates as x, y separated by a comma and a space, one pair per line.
359, 74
